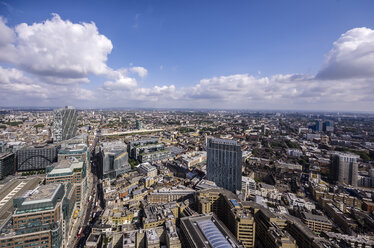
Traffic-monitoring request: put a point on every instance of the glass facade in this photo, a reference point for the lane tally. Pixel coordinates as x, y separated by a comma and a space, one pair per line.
64, 124
224, 163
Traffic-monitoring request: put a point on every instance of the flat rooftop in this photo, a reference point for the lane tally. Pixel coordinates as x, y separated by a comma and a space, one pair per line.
65, 166
43, 192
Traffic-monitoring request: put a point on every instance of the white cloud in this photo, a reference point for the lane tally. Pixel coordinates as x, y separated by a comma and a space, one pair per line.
141, 71
49, 63
60, 48
352, 56
57, 56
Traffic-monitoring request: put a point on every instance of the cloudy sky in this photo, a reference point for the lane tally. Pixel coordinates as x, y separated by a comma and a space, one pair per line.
290, 55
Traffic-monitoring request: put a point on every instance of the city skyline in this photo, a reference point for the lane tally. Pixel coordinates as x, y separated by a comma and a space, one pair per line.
252, 55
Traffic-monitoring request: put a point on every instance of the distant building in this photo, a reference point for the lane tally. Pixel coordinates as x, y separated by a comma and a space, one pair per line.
64, 123
294, 152
249, 186
148, 150
193, 158
147, 169
224, 163
316, 223
344, 168
7, 164
36, 157
328, 126
138, 124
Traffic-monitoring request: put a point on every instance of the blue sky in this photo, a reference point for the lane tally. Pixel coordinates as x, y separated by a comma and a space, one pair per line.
180, 43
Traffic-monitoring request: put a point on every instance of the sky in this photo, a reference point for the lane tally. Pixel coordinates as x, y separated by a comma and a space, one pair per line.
256, 55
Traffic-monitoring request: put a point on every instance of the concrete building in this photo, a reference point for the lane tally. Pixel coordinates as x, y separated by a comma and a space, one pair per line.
226, 205
74, 152
68, 171
206, 231
147, 169
148, 150
344, 240
193, 158
344, 168
270, 230
114, 159
7, 164
224, 163
36, 157
305, 237
248, 186
64, 123
39, 218
316, 223
168, 195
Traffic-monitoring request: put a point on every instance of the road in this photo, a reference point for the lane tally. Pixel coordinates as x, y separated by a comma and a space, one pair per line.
92, 209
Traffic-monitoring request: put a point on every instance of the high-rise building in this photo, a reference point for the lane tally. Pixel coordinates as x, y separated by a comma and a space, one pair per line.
138, 124
328, 126
64, 123
319, 125
224, 163
344, 168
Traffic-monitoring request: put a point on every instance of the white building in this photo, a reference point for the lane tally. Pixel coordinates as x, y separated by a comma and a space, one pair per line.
147, 169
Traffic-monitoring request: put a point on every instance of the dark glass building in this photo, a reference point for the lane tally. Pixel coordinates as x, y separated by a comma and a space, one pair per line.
36, 157
224, 163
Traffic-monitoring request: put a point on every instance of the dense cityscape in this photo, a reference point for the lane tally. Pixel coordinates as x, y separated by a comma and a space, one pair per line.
184, 178
186, 124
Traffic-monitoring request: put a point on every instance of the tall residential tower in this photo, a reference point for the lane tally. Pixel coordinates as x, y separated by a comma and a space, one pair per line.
224, 163
344, 168
64, 123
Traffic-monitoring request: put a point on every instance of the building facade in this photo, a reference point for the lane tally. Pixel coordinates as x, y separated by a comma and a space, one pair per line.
39, 218
64, 123
36, 157
224, 163
344, 168
7, 164
72, 172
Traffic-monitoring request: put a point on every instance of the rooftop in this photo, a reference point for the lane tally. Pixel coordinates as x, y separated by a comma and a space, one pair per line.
44, 192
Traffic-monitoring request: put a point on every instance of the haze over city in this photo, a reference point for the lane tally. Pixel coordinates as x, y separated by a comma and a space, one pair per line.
249, 55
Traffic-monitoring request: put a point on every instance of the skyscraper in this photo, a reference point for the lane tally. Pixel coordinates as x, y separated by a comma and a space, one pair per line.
224, 163
344, 168
65, 123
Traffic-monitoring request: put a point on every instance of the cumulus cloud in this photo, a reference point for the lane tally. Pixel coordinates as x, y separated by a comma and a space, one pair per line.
57, 53
51, 62
58, 48
352, 56
141, 71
